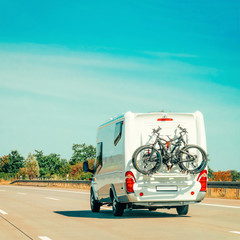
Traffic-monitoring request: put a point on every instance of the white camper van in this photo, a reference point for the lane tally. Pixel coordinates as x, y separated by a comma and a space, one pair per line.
116, 180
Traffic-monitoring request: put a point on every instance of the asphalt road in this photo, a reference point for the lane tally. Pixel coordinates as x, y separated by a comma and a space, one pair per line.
58, 214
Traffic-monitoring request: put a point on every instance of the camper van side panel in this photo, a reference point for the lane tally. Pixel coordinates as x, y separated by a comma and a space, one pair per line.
112, 138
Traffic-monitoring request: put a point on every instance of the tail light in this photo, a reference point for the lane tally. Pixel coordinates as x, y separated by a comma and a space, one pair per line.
202, 178
130, 180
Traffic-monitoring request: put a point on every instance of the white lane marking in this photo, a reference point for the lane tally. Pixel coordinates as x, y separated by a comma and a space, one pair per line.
234, 232
218, 205
55, 199
44, 238
2, 212
52, 190
21, 193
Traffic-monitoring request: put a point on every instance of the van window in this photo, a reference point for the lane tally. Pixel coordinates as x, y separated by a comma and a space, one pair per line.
118, 132
98, 162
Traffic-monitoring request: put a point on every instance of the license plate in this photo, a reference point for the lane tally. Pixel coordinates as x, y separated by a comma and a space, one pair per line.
166, 188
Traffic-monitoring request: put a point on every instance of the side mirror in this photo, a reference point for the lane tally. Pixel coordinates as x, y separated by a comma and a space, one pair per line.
86, 167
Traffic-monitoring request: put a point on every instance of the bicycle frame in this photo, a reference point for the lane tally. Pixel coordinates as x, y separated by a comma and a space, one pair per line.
169, 148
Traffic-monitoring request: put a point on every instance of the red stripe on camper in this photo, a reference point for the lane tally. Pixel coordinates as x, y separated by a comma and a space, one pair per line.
164, 119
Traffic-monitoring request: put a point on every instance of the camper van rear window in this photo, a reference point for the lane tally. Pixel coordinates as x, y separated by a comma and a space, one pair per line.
118, 132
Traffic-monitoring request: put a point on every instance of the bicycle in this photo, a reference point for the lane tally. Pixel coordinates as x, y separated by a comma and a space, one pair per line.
148, 159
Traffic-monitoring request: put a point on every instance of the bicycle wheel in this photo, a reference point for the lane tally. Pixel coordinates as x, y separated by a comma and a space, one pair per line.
192, 159
146, 159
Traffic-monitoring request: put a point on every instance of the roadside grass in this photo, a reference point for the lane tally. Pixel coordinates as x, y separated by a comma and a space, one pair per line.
53, 185
4, 182
227, 193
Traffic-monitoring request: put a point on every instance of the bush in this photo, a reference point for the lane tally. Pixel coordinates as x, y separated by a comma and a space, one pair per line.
222, 176
76, 170
7, 176
91, 163
22, 173
86, 176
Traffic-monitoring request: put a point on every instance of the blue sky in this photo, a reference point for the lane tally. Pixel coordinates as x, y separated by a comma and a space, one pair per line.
67, 66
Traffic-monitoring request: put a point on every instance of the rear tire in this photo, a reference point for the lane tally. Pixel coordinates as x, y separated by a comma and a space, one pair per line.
182, 210
147, 160
195, 161
95, 204
118, 208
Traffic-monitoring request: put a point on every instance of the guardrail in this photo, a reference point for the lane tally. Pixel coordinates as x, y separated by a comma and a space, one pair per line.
222, 186
212, 184
62, 183
52, 181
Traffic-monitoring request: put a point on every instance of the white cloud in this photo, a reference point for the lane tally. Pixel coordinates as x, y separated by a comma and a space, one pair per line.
63, 75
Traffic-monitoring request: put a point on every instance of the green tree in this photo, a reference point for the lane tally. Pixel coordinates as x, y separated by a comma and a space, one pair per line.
41, 159
82, 152
235, 175
48, 164
32, 167
42, 173
3, 161
65, 168
51, 164
15, 162
210, 173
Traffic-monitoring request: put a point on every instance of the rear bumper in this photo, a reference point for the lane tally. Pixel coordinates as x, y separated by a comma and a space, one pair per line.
163, 199
161, 204
184, 192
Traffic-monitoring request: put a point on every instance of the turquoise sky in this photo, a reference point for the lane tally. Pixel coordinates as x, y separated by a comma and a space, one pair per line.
67, 66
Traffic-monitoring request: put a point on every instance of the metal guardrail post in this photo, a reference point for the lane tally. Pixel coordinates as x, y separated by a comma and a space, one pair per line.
209, 192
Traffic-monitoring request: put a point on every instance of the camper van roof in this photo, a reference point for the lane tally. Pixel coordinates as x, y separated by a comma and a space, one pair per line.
112, 120
143, 114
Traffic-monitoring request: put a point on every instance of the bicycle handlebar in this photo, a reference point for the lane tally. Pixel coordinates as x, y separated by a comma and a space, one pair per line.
184, 130
156, 130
